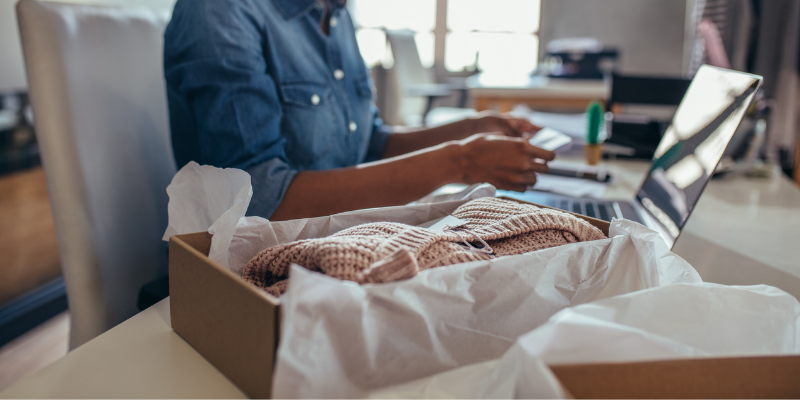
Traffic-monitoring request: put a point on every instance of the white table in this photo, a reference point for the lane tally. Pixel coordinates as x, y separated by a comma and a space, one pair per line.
743, 232
139, 358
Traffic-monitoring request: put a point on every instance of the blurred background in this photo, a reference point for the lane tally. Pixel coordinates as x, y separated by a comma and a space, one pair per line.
434, 61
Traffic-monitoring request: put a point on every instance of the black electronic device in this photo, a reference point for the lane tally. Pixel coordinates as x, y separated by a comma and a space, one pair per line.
684, 159
18, 147
582, 65
637, 133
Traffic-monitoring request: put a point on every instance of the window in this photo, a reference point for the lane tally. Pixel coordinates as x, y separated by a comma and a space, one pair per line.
372, 16
496, 35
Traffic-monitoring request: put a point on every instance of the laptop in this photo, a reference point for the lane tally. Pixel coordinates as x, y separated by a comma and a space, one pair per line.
684, 161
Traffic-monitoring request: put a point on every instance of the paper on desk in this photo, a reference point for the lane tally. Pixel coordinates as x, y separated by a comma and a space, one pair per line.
569, 186
573, 125
214, 199
670, 322
340, 339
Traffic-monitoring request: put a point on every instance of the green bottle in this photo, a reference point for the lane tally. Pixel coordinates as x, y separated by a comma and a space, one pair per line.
594, 117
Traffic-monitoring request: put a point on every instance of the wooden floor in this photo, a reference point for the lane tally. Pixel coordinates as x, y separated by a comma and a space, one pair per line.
27, 235
34, 350
28, 258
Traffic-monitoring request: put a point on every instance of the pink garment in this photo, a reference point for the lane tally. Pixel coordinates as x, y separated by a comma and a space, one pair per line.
386, 252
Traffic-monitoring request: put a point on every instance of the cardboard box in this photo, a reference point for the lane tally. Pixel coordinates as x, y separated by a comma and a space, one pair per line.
210, 306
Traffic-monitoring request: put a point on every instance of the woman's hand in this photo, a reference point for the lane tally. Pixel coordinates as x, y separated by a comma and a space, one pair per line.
485, 122
508, 163
490, 121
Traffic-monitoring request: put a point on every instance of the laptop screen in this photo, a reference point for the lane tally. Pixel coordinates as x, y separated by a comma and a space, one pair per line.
692, 146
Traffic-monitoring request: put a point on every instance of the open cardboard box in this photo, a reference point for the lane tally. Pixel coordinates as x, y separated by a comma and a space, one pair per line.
236, 327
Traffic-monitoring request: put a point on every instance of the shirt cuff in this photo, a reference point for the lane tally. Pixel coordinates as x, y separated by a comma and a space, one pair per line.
270, 181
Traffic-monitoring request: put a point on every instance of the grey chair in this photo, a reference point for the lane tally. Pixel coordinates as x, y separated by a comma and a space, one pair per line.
99, 99
414, 89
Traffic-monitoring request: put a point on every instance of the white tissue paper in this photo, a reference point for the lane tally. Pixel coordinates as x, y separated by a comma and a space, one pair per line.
340, 339
671, 322
199, 195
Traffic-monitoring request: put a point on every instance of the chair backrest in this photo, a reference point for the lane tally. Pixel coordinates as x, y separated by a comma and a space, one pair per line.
98, 96
407, 70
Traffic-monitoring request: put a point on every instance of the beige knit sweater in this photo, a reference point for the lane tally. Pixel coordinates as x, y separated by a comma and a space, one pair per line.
385, 251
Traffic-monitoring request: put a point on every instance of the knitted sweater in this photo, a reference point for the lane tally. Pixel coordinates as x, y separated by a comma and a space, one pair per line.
385, 251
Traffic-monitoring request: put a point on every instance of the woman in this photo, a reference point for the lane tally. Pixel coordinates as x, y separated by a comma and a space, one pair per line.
278, 88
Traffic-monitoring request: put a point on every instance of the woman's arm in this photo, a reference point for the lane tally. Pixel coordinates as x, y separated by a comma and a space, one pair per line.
405, 141
506, 162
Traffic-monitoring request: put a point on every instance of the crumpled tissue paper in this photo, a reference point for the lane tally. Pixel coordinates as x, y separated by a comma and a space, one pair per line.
341, 339
671, 322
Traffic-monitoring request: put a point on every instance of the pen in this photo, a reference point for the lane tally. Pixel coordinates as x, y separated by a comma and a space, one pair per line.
599, 176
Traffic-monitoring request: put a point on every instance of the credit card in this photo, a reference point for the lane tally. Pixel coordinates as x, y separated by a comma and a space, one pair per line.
550, 139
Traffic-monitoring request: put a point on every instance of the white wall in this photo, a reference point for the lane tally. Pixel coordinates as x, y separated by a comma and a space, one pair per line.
649, 33
12, 69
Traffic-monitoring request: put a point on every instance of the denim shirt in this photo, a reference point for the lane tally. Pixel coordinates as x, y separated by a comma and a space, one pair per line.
256, 85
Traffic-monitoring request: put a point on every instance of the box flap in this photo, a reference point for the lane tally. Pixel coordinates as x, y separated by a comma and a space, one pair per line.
752, 377
231, 323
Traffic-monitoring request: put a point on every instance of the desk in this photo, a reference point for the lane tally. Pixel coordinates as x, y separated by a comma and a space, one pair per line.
742, 232
540, 93
139, 358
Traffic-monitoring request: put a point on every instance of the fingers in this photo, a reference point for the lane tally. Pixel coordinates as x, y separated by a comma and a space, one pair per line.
520, 178
526, 164
509, 126
506, 162
515, 181
522, 126
539, 167
528, 149
537, 152
517, 154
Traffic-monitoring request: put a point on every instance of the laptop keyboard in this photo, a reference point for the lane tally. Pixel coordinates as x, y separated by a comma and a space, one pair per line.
600, 209
593, 208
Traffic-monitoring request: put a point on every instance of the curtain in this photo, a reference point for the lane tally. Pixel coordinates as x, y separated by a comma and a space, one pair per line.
776, 58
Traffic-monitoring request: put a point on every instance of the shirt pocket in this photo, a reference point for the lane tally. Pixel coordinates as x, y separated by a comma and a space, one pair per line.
309, 122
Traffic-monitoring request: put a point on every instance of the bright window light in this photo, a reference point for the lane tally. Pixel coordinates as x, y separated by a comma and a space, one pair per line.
371, 17
518, 16
374, 49
417, 15
425, 43
500, 35
372, 44
496, 53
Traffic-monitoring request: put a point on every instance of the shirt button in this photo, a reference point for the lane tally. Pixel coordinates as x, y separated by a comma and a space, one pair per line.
338, 74
333, 22
353, 126
315, 99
